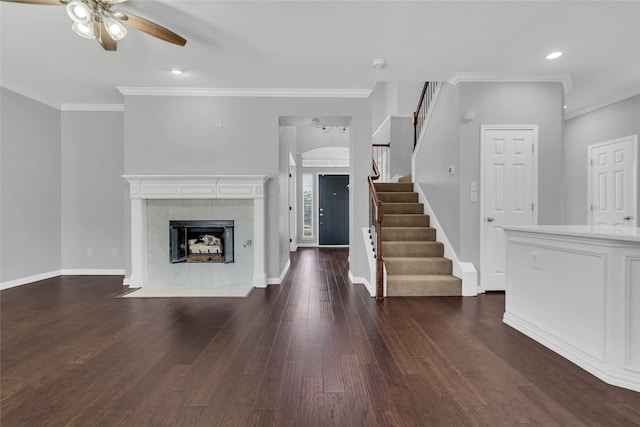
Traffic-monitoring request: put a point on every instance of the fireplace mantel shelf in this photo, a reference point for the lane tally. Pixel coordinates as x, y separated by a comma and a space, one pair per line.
197, 186
144, 187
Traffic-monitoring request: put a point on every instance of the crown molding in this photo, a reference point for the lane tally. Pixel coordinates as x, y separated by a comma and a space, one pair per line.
92, 107
26, 93
246, 92
606, 102
565, 79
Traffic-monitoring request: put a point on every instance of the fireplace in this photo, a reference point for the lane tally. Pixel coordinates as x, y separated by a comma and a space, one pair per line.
201, 241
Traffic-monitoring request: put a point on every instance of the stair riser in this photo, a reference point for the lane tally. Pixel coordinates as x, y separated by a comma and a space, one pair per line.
398, 197
394, 186
405, 221
400, 288
411, 249
408, 234
414, 267
403, 208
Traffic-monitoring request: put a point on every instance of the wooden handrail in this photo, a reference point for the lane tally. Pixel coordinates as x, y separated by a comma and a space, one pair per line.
419, 114
378, 226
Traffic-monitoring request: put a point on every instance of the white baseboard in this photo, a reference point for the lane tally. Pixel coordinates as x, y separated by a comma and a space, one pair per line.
363, 281
278, 280
56, 273
464, 270
29, 279
126, 281
92, 272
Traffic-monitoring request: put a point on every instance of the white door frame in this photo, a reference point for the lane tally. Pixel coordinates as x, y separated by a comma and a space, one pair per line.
534, 170
634, 149
316, 199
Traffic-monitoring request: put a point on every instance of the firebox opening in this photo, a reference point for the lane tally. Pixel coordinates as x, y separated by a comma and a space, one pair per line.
201, 241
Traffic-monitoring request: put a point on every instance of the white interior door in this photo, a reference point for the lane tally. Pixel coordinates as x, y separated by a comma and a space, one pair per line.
293, 225
509, 194
613, 182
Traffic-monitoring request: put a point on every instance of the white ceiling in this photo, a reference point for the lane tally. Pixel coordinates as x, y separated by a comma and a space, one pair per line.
326, 45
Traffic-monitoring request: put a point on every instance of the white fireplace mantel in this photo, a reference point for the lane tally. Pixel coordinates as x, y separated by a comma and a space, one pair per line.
143, 187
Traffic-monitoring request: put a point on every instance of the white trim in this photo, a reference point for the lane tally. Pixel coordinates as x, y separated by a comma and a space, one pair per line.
384, 122
125, 281
371, 260
361, 281
279, 280
565, 79
25, 92
534, 170
316, 199
466, 271
92, 107
634, 155
601, 104
29, 279
246, 92
92, 272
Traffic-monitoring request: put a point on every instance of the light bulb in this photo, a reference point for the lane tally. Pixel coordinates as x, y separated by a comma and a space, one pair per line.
79, 12
115, 29
84, 30
554, 55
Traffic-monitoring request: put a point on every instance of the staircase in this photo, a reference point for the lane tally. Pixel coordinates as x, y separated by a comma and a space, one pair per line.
414, 261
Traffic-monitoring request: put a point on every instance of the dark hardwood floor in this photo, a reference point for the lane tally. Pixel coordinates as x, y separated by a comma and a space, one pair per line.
314, 351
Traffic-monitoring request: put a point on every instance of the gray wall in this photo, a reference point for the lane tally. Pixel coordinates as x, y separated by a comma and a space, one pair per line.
177, 135
439, 149
511, 103
401, 149
92, 190
610, 122
29, 188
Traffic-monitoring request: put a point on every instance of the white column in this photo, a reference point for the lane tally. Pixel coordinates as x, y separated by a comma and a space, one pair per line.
138, 243
259, 244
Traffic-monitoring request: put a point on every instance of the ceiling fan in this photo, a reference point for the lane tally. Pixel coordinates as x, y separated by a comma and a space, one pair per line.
95, 19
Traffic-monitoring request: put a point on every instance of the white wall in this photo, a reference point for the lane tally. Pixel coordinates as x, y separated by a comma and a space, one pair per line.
401, 149
177, 135
92, 190
610, 122
30, 187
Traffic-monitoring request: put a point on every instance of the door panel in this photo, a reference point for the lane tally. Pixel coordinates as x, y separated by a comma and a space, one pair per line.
333, 215
613, 182
508, 196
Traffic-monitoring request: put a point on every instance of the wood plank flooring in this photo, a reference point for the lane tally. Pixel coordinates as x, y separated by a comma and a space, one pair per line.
314, 351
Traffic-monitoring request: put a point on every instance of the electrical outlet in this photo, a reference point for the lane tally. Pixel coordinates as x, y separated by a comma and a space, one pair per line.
114, 252
89, 251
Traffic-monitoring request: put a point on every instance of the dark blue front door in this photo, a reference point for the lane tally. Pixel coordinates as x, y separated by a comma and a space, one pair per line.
333, 209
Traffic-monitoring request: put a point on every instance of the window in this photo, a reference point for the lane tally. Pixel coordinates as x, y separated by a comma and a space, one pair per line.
307, 203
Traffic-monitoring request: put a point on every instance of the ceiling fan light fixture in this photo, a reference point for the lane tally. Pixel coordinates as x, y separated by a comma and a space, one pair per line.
116, 30
79, 12
84, 30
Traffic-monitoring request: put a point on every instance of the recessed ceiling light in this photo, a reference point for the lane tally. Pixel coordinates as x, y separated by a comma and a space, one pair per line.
177, 71
554, 55
564, 106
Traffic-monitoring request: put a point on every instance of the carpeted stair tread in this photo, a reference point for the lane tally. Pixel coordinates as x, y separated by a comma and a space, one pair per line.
405, 187
398, 197
405, 220
403, 208
418, 265
409, 234
412, 249
405, 178
423, 285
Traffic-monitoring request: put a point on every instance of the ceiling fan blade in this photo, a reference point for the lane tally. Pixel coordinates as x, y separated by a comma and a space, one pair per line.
45, 2
103, 37
149, 27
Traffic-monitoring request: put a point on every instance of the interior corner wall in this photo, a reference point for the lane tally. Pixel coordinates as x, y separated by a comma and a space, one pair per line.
611, 122
30, 187
178, 135
439, 149
401, 148
504, 104
92, 190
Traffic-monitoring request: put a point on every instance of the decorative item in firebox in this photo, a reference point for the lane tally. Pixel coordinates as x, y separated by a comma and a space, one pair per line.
201, 241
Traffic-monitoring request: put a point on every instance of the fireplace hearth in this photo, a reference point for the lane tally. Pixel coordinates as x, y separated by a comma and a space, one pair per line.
201, 241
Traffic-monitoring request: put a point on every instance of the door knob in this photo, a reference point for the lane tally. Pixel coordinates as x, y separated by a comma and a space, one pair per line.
627, 218
490, 219
321, 214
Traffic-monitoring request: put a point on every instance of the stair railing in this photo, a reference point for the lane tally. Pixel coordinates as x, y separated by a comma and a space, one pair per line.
376, 215
381, 157
419, 116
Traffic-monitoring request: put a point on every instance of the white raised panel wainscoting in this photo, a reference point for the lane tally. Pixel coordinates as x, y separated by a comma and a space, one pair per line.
576, 290
156, 199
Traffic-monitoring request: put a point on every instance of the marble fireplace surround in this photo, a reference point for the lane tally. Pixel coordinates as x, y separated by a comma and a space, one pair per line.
194, 187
